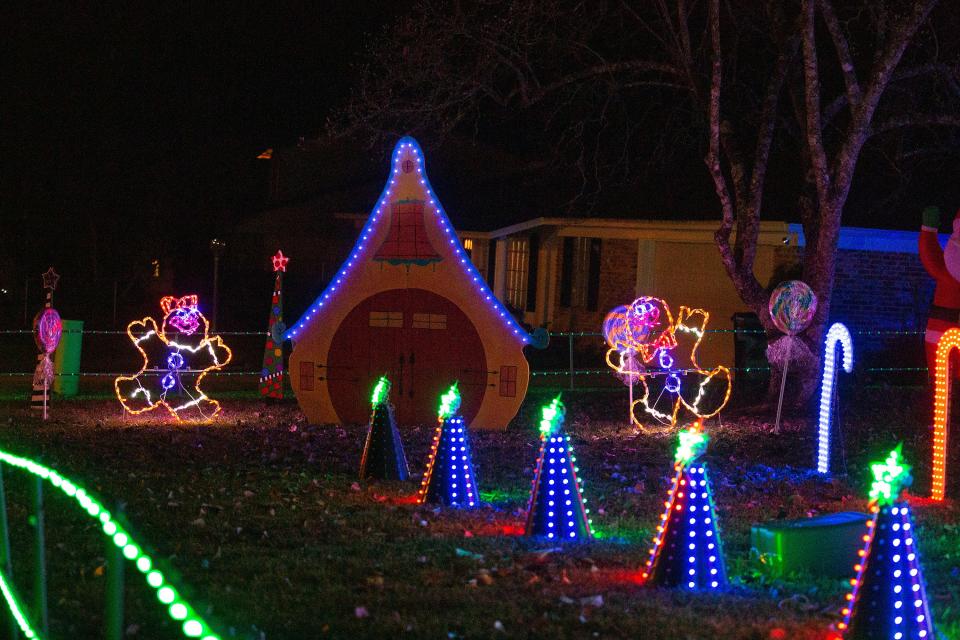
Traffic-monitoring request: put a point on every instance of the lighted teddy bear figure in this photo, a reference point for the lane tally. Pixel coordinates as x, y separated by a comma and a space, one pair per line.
649, 344
176, 358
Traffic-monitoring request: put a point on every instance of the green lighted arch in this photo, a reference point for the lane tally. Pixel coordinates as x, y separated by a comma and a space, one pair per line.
192, 625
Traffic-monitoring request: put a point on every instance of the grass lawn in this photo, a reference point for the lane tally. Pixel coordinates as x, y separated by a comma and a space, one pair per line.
273, 537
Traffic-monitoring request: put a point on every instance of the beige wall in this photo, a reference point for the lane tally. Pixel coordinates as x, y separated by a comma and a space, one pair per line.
682, 273
693, 275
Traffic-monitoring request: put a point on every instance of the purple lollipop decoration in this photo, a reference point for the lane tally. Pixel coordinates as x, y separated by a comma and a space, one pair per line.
47, 330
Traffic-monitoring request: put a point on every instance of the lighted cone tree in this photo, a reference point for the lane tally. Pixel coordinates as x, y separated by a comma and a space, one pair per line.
383, 457
449, 478
271, 376
686, 550
556, 508
888, 600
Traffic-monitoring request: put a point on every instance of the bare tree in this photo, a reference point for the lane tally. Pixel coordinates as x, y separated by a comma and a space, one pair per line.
800, 87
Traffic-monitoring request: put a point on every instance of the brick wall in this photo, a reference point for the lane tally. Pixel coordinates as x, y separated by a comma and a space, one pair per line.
877, 290
884, 291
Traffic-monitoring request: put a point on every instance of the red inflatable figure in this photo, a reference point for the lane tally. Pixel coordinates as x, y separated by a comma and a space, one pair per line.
944, 267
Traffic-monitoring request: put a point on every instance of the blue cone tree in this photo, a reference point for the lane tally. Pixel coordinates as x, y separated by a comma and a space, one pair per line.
888, 600
449, 478
556, 509
686, 551
383, 457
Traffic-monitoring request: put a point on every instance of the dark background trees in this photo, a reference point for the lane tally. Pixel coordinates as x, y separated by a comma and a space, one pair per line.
802, 110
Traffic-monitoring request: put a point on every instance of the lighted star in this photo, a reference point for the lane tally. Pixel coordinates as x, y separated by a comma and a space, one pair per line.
693, 443
380, 391
280, 261
890, 477
449, 402
50, 279
552, 416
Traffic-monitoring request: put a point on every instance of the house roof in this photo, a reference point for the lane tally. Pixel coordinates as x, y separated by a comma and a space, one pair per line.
865, 239
772, 232
407, 157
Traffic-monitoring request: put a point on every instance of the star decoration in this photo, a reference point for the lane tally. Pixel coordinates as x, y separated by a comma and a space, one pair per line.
890, 477
693, 442
280, 262
450, 402
552, 416
50, 279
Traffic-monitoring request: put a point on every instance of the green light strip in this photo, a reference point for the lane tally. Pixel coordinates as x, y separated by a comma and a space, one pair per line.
17, 609
192, 625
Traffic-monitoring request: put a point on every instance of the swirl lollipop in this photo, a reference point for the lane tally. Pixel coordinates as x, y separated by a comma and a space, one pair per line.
792, 306
47, 330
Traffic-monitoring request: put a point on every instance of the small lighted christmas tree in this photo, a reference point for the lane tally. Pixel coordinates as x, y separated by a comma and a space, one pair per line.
888, 600
383, 457
556, 508
449, 478
271, 376
686, 550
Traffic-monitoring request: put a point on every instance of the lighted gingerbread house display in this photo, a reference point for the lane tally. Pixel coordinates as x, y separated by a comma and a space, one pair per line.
409, 304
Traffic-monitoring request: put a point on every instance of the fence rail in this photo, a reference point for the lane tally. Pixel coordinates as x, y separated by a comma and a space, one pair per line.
561, 340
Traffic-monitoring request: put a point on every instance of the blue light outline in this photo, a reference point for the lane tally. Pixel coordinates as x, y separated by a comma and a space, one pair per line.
356, 254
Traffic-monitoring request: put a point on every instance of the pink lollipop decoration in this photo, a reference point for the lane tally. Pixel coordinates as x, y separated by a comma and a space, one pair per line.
49, 330
792, 305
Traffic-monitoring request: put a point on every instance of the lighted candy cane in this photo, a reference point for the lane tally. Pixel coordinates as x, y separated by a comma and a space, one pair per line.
949, 341
836, 334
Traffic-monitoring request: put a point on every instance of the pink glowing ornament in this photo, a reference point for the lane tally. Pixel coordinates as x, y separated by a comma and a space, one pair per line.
48, 328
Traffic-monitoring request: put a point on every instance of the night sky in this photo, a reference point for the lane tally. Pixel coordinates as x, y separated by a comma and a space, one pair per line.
112, 112
134, 130
139, 126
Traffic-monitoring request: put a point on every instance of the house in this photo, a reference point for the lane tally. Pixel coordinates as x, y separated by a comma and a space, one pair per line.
567, 273
407, 302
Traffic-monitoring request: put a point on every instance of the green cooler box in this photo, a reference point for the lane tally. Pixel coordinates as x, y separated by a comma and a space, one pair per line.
823, 546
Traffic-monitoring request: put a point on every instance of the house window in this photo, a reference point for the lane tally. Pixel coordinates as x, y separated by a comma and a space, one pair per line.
518, 257
508, 382
430, 321
386, 319
593, 279
580, 273
491, 273
306, 376
468, 246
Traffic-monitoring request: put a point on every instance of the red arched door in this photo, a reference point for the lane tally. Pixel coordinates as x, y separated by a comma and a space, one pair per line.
421, 341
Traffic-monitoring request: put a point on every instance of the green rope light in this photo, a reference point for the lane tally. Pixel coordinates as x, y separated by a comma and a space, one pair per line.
13, 602
191, 624
380, 391
450, 402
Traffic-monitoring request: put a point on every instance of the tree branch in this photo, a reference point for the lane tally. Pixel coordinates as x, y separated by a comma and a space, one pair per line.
917, 120
843, 52
811, 77
862, 115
